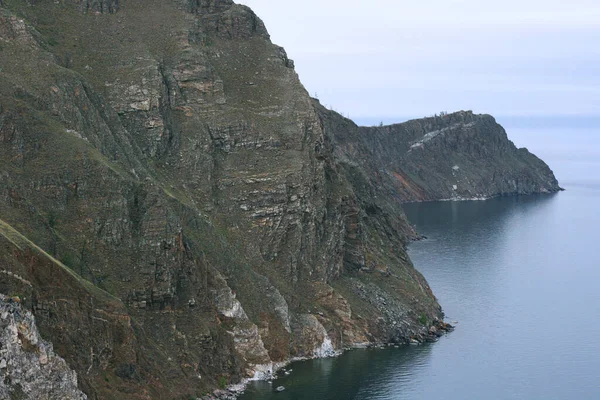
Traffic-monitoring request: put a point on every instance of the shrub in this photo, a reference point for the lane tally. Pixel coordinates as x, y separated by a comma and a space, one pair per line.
222, 382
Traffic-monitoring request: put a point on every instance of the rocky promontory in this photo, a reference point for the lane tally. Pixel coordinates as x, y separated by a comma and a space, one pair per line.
178, 215
456, 156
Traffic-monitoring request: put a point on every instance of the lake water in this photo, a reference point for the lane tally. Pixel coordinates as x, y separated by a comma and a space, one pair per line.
520, 275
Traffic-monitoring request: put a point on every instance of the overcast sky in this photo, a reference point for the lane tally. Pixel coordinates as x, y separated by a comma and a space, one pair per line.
390, 59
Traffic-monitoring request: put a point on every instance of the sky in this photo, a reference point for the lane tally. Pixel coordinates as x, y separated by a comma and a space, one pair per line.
392, 59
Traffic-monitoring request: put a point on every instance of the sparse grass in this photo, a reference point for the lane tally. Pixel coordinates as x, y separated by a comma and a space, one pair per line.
68, 259
222, 382
52, 219
171, 191
21, 242
65, 29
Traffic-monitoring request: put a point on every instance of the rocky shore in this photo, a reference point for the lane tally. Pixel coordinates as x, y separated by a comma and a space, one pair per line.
434, 333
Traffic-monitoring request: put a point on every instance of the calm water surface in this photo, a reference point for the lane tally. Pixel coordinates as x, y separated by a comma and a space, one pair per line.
521, 277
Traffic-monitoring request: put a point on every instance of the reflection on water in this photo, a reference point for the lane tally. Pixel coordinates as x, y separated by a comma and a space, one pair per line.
466, 243
519, 275
358, 374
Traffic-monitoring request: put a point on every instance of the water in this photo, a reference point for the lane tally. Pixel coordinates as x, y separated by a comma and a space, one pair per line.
521, 277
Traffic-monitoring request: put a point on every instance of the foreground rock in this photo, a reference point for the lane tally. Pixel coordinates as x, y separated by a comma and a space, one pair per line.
29, 368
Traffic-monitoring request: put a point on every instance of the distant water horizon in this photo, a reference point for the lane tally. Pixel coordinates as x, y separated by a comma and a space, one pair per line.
519, 275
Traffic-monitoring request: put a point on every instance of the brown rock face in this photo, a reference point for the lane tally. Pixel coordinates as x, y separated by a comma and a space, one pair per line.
175, 210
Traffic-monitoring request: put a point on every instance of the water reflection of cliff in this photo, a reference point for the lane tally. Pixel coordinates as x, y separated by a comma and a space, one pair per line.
358, 374
467, 243
437, 216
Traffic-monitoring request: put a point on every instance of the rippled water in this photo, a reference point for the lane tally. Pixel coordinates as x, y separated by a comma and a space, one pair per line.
520, 275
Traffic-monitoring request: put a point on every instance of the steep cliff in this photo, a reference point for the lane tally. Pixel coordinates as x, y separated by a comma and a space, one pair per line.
178, 214
449, 157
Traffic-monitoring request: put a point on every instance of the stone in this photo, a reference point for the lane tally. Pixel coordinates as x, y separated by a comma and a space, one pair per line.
99, 6
47, 375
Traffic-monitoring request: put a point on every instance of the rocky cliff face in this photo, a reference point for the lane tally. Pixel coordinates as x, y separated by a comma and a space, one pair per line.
178, 214
29, 368
449, 157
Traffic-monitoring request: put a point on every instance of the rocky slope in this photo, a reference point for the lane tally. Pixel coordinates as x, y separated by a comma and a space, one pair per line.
28, 366
178, 214
449, 157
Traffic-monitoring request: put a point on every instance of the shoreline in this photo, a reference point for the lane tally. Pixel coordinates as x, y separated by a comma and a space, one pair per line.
484, 198
232, 392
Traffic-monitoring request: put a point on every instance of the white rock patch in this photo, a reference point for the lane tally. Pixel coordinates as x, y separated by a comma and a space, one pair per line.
28, 364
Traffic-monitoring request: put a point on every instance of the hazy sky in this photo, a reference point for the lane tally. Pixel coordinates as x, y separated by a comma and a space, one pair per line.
390, 58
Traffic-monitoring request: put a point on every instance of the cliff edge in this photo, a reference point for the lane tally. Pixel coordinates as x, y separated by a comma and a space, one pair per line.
456, 156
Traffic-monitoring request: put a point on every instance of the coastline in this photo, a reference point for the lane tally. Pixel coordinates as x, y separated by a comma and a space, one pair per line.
484, 198
232, 392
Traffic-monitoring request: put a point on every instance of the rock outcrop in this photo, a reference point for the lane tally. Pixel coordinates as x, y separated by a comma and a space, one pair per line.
178, 214
29, 368
99, 6
453, 156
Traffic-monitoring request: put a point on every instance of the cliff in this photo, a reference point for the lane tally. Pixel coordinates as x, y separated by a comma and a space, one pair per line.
454, 156
178, 214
